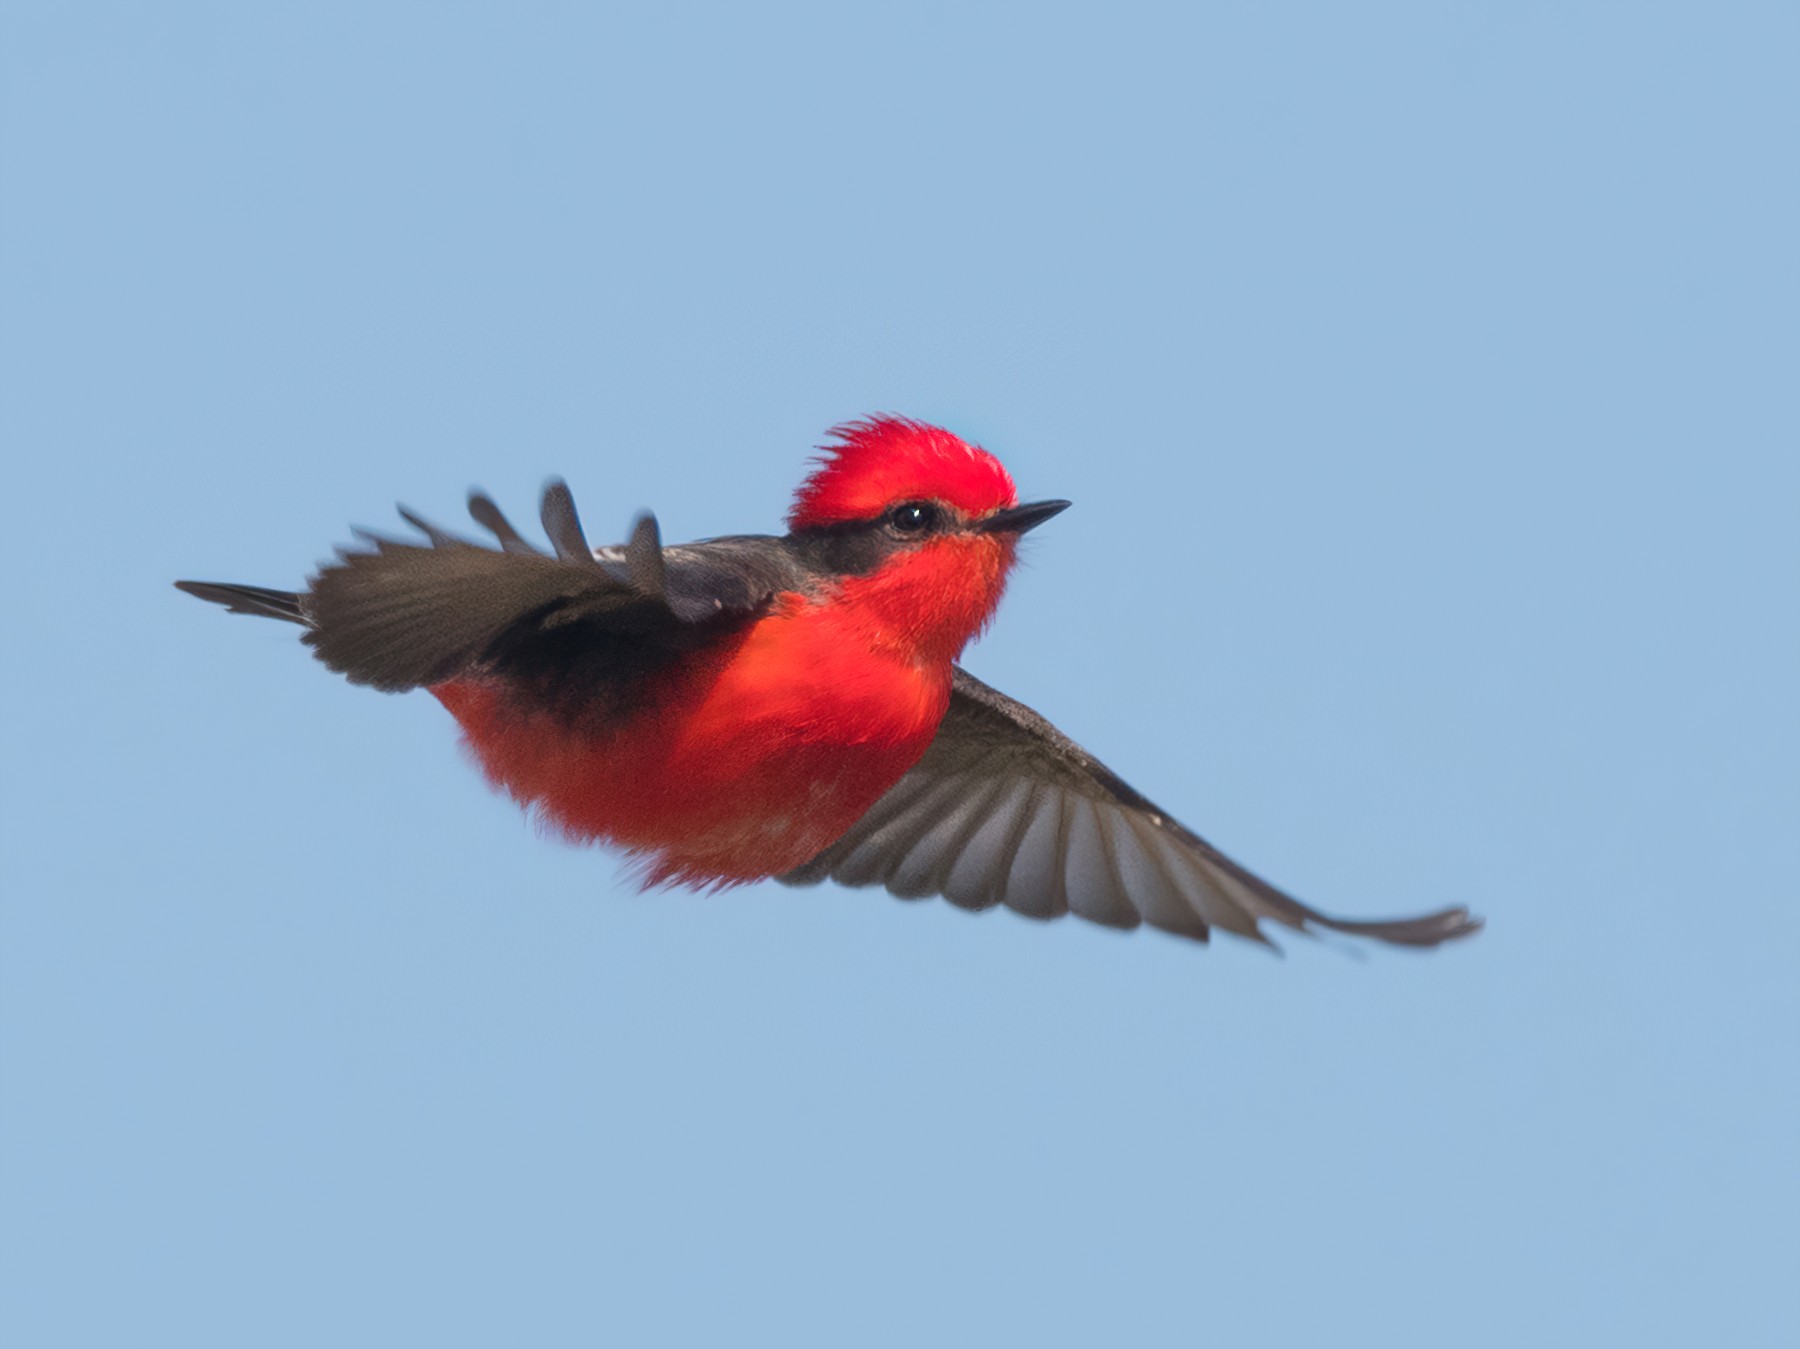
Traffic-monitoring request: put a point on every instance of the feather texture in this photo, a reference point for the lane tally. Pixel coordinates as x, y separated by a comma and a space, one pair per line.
1004, 808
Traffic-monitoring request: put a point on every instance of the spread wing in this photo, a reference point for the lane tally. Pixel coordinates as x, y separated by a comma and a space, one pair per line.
1005, 809
405, 614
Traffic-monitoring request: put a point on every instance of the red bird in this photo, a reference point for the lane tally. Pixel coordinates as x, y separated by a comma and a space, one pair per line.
748, 707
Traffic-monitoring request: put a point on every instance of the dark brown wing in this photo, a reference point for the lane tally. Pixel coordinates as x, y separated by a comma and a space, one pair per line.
1005, 809
400, 615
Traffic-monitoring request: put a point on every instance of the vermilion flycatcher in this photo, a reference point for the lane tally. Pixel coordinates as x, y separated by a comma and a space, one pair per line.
754, 706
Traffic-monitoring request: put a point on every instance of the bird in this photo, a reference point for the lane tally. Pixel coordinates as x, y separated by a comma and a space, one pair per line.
784, 706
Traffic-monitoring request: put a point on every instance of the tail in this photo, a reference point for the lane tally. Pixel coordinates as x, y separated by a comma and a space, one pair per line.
283, 604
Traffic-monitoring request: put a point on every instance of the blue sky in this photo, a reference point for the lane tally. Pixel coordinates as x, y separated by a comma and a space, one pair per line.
1424, 380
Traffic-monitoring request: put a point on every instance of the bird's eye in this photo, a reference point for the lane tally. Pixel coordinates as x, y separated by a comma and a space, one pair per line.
913, 517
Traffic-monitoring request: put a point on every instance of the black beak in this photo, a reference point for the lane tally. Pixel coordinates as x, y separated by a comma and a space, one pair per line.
1018, 519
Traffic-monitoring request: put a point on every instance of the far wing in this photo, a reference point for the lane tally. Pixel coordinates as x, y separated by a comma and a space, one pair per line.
1005, 809
400, 614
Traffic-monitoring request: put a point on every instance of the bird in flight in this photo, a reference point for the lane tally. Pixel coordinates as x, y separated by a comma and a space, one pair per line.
784, 706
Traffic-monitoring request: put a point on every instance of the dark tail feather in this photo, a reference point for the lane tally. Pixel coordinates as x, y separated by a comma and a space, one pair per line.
284, 604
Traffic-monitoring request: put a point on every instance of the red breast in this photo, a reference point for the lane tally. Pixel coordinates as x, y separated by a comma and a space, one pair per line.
739, 762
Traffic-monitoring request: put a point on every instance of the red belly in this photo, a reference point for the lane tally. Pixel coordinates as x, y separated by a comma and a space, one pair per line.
726, 771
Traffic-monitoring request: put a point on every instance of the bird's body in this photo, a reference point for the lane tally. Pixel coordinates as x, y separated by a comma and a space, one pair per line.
740, 760
788, 706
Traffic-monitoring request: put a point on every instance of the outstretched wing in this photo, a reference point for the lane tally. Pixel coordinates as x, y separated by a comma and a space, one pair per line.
400, 614
1005, 809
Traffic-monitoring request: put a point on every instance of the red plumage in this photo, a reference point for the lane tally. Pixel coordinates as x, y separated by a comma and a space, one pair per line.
739, 762
883, 460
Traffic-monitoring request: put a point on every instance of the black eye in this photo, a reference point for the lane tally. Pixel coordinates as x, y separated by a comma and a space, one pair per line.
913, 517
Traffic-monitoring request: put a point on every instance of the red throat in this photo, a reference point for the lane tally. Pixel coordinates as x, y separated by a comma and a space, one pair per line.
926, 606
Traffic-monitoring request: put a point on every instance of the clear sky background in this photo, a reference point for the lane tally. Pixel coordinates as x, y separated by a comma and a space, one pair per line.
1424, 377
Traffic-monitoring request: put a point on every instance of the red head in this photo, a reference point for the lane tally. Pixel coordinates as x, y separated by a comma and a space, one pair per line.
883, 461
934, 519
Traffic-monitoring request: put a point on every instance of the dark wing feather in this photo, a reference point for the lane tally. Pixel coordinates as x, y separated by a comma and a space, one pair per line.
1005, 809
563, 525
401, 614
490, 517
